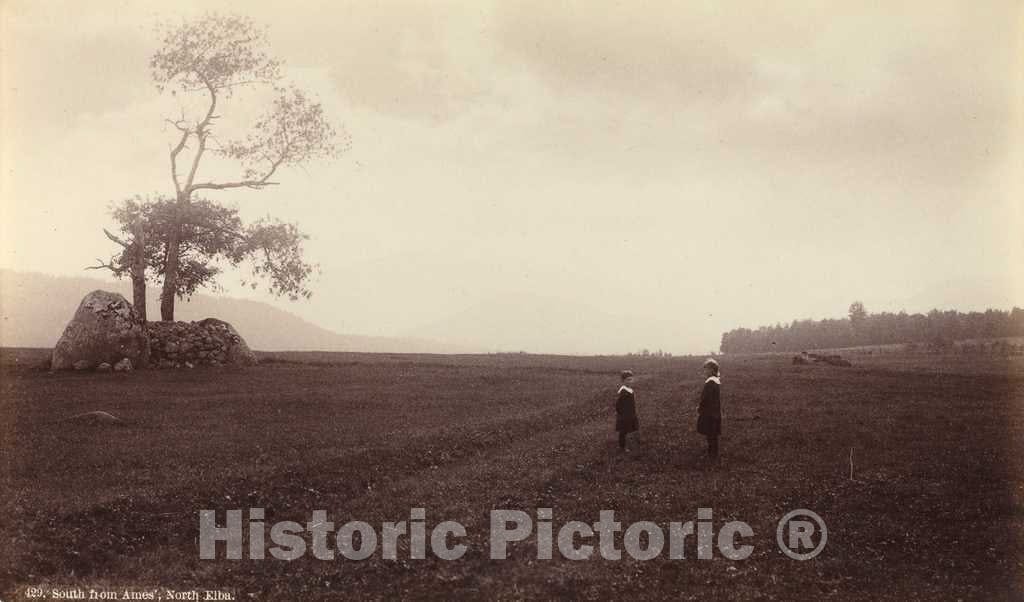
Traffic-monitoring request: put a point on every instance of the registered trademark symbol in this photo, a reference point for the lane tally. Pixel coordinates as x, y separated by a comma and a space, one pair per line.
796, 534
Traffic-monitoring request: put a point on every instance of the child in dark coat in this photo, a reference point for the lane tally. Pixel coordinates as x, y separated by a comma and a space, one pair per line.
709, 412
625, 410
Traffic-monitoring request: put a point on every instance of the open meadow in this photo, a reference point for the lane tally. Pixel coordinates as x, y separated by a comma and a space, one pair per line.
934, 508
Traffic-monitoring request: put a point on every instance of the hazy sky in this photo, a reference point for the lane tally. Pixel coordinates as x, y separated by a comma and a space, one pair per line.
568, 176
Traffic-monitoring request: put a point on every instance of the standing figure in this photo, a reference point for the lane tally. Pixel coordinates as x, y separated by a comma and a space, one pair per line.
709, 412
625, 409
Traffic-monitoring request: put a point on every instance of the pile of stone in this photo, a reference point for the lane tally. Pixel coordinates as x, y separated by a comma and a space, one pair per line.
209, 342
816, 358
107, 335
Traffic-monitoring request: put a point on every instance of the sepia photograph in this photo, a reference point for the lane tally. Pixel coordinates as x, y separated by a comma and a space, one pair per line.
511, 300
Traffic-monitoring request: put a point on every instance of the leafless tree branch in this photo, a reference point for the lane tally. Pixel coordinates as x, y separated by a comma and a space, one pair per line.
115, 238
100, 266
201, 134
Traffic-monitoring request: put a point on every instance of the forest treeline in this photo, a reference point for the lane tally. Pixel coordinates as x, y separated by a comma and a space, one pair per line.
936, 328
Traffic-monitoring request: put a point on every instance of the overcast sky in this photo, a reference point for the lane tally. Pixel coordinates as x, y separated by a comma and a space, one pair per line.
576, 177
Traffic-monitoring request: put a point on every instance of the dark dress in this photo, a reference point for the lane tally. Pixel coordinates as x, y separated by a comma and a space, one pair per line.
709, 414
625, 411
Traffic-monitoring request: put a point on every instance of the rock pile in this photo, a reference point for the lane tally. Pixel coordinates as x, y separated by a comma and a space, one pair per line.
106, 335
816, 358
209, 342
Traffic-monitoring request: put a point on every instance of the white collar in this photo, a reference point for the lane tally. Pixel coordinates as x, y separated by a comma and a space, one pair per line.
625, 388
713, 379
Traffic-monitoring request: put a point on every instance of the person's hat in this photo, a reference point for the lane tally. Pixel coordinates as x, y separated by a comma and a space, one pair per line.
626, 374
711, 362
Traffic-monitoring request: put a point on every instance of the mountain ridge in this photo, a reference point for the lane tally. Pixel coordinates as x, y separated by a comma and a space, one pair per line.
25, 321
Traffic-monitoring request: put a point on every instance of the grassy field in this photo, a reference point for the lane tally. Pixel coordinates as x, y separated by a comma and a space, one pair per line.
935, 508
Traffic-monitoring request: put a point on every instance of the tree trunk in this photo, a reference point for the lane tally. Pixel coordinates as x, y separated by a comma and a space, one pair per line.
172, 261
170, 276
138, 273
139, 296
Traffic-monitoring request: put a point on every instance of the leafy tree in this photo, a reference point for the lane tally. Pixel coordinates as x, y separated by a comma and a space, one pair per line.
857, 313
211, 58
210, 236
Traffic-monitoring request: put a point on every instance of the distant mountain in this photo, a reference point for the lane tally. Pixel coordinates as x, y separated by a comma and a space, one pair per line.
35, 308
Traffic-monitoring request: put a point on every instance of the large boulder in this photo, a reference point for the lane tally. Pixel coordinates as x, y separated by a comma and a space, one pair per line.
105, 329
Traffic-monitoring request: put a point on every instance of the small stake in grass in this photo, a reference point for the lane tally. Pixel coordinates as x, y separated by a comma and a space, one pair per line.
851, 463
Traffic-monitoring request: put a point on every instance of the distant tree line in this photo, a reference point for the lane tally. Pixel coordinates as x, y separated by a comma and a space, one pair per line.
648, 353
936, 328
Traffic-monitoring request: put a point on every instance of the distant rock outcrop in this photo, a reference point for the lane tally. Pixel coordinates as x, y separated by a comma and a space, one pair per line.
104, 330
210, 342
816, 358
